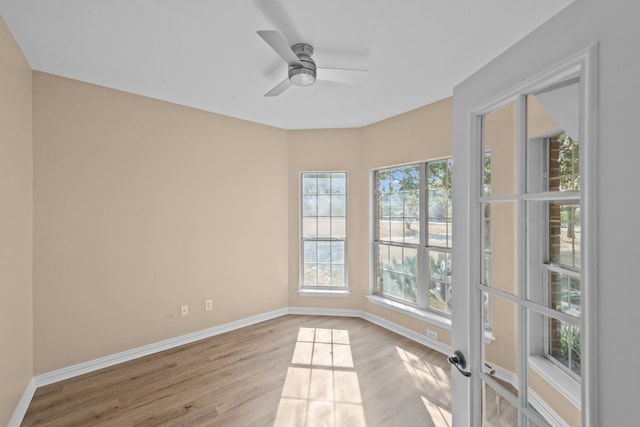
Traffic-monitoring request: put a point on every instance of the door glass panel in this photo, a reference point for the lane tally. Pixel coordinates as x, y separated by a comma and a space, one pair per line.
553, 135
499, 152
497, 411
554, 365
529, 260
501, 343
499, 246
548, 396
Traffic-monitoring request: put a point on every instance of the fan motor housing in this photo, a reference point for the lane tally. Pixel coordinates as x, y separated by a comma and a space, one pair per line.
305, 73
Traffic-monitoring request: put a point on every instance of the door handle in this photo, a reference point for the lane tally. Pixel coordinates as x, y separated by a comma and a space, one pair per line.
459, 362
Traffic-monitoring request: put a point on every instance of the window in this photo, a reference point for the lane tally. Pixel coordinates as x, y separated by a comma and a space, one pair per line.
413, 235
323, 230
560, 264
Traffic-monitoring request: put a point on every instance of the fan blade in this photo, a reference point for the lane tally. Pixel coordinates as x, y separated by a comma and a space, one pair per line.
281, 87
280, 45
341, 75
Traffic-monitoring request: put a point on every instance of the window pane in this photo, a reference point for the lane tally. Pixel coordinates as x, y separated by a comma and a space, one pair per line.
398, 199
324, 252
564, 235
496, 410
499, 148
309, 205
439, 211
542, 401
338, 205
310, 264
486, 244
309, 183
500, 353
324, 205
565, 293
324, 275
440, 281
310, 271
324, 227
339, 228
338, 183
564, 167
564, 345
310, 226
337, 253
500, 252
337, 275
324, 183
548, 111
397, 272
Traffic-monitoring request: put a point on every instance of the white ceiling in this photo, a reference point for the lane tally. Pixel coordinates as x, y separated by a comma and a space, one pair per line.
206, 53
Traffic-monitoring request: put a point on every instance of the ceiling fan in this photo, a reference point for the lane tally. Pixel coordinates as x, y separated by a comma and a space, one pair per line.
302, 69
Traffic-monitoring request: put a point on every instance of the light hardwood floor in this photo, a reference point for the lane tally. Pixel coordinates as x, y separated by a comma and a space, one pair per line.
297, 371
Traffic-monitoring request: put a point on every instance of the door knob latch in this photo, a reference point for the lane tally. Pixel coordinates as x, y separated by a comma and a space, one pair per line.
459, 362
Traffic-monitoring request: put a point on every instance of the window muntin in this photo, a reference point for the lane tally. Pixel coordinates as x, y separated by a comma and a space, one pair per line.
324, 230
413, 235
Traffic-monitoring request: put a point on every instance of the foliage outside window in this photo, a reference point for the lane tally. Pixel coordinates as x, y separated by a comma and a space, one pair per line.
323, 230
563, 265
413, 234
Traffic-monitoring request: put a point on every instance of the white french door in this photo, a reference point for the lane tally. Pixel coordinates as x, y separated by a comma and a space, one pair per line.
524, 267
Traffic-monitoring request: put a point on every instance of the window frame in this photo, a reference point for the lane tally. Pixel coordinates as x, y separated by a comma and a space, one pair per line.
421, 308
309, 290
538, 249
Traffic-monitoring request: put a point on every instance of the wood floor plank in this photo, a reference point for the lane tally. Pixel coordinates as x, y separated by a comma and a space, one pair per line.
300, 371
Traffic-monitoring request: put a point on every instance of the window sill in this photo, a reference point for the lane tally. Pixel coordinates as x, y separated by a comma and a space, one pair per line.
416, 313
324, 292
567, 386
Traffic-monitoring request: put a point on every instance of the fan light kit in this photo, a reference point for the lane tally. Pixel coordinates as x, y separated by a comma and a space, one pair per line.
302, 68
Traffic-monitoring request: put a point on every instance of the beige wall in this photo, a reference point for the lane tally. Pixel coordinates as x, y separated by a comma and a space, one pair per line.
16, 225
142, 206
419, 135
328, 150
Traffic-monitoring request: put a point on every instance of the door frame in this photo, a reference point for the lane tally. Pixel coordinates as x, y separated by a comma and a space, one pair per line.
467, 331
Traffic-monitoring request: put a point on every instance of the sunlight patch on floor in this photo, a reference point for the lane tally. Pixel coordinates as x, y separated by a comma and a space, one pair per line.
321, 387
440, 416
433, 383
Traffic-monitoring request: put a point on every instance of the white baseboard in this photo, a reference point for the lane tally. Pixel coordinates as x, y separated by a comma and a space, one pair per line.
125, 356
23, 405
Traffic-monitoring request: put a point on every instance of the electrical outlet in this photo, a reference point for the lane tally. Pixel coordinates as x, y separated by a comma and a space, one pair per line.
184, 310
208, 305
432, 334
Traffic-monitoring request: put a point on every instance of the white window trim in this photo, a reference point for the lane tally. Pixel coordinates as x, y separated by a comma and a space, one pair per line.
315, 292
558, 378
303, 290
421, 310
411, 311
